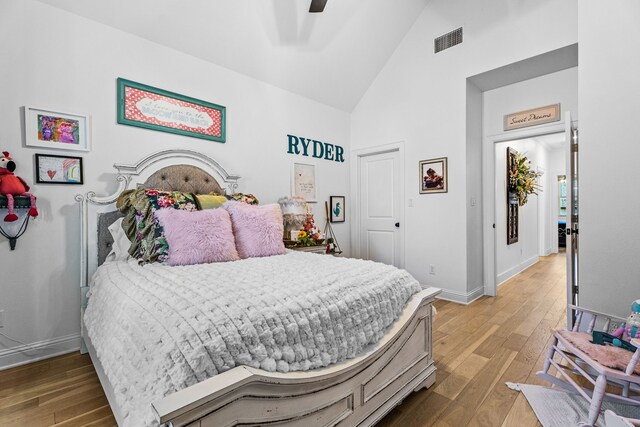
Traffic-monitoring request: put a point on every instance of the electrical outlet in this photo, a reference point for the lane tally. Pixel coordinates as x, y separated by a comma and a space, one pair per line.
432, 269
1, 318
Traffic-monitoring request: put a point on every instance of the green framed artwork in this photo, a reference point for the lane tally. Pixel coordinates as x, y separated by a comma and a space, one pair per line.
152, 108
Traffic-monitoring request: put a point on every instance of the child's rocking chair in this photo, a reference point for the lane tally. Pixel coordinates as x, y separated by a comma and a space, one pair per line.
599, 365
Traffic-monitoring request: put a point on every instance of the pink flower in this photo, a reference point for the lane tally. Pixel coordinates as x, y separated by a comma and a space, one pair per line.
165, 201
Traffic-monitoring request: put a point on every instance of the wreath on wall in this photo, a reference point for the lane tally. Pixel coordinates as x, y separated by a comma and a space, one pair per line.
523, 180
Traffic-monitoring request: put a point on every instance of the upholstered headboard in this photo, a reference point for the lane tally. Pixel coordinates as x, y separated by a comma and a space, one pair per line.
185, 178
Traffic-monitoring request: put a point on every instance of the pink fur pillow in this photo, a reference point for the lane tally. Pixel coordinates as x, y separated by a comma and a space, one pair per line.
198, 237
258, 229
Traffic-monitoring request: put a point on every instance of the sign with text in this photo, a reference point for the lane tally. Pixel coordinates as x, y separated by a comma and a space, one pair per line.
312, 148
152, 108
533, 117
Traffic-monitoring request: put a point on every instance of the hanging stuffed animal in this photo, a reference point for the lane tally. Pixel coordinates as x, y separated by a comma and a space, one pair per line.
631, 328
12, 185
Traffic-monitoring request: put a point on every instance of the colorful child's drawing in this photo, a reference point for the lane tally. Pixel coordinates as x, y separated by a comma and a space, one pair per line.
59, 169
56, 129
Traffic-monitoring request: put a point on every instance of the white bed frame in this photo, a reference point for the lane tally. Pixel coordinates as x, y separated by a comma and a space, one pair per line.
358, 392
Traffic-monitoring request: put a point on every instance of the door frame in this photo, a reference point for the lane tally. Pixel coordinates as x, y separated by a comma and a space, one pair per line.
489, 187
543, 215
356, 156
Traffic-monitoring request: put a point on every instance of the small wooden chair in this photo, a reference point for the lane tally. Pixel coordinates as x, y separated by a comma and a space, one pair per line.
599, 365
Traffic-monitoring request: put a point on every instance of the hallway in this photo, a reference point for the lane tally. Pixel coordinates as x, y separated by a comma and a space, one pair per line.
477, 348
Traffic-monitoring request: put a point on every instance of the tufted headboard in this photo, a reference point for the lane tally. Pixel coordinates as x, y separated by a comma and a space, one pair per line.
185, 178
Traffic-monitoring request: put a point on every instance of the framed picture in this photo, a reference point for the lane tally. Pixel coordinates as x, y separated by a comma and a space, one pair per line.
303, 181
52, 169
152, 108
336, 204
433, 176
52, 129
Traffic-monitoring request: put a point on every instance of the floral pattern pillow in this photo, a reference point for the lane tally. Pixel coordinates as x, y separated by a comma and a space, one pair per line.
150, 234
148, 243
249, 199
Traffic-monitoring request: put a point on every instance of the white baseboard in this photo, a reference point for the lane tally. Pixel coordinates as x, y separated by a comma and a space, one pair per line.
514, 271
461, 297
23, 354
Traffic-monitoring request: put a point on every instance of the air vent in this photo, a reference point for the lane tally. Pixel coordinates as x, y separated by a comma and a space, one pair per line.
448, 40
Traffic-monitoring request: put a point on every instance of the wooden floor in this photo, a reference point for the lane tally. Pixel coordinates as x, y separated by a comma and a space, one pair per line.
476, 348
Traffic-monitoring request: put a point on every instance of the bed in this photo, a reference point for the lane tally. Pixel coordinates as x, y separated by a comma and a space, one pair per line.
263, 378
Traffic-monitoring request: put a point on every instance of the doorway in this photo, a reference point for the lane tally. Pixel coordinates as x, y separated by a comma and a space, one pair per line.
538, 220
377, 179
524, 232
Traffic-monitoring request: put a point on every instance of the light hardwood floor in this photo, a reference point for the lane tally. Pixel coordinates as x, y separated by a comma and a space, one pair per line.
476, 348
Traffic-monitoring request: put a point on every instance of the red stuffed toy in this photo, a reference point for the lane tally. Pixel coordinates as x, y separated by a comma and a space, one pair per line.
12, 185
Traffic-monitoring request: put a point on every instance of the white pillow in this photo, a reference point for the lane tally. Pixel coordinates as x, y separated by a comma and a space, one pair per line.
121, 243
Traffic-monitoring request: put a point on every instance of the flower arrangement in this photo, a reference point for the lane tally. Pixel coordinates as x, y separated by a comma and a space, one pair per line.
522, 180
309, 235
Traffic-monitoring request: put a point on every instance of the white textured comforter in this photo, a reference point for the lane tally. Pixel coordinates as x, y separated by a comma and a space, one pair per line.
159, 329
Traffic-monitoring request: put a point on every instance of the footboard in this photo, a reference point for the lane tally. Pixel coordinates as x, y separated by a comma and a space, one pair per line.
358, 392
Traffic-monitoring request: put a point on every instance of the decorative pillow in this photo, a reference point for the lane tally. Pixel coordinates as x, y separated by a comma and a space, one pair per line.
197, 237
258, 229
153, 247
210, 201
149, 244
121, 243
249, 199
130, 202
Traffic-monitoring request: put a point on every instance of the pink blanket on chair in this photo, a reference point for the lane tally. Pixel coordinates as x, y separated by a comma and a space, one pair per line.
606, 355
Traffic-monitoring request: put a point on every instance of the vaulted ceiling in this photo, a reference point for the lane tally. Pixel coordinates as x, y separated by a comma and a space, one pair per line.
332, 57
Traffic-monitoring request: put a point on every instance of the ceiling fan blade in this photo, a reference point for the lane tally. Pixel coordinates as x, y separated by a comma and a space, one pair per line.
317, 6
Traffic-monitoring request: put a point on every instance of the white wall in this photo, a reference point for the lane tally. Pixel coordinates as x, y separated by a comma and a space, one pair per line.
420, 98
557, 166
542, 156
609, 40
57, 60
559, 87
475, 262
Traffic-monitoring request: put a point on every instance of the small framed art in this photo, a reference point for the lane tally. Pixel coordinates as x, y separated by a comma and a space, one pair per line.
433, 176
52, 129
336, 204
52, 169
158, 109
303, 181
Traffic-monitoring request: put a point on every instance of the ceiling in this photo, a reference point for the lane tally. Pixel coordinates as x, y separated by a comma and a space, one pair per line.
554, 141
332, 57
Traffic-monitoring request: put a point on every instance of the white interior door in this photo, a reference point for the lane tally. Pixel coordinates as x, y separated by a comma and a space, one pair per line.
571, 136
379, 194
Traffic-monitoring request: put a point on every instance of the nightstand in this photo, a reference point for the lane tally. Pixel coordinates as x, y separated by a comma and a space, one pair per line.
317, 249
